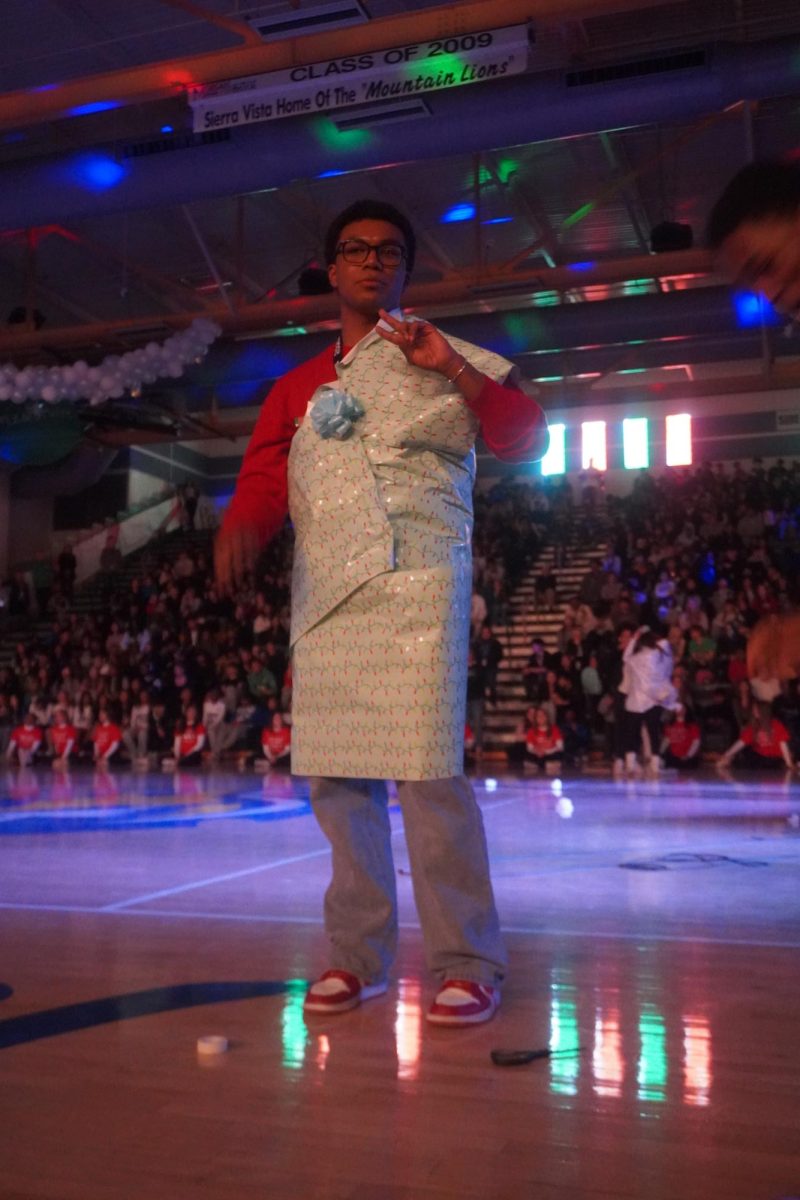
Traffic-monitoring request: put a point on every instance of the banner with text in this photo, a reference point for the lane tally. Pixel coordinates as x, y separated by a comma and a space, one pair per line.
381, 75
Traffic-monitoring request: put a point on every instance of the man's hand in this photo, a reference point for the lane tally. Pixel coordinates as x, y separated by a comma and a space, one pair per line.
235, 552
421, 343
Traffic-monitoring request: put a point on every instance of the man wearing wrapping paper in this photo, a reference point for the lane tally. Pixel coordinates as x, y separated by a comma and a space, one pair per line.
370, 446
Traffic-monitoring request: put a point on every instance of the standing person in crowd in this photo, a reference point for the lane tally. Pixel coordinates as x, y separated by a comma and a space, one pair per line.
25, 741
66, 570
160, 732
489, 653
476, 700
545, 591
648, 662
190, 499
544, 744
761, 744
534, 672
385, 422
136, 732
82, 718
9, 709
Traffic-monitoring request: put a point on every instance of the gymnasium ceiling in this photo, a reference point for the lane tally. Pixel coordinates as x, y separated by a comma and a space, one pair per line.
629, 115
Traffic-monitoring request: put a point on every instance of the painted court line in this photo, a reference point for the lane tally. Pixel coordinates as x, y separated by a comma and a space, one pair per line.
200, 883
523, 930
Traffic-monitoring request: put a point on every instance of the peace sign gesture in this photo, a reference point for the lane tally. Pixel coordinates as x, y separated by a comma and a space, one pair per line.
421, 343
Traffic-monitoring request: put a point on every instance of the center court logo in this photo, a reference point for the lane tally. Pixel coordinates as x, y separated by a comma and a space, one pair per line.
66, 806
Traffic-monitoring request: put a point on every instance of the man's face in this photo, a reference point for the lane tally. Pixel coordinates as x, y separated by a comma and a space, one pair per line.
765, 255
365, 287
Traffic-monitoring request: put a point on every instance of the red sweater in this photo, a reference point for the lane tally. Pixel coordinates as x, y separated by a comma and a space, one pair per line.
511, 423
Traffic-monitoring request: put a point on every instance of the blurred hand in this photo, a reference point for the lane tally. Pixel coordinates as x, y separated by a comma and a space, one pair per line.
235, 552
773, 648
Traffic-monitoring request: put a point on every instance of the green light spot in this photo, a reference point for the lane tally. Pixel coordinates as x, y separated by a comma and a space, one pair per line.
637, 287
564, 1070
546, 299
444, 71
523, 329
293, 1027
506, 168
577, 216
652, 1072
340, 141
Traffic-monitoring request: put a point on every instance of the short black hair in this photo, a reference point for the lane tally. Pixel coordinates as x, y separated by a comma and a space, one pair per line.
371, 210
759, 190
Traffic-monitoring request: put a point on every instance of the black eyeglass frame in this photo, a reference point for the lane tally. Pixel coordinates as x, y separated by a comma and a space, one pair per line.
368, 247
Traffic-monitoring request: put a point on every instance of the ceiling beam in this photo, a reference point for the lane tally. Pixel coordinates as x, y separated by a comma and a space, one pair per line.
154, 81
454, 293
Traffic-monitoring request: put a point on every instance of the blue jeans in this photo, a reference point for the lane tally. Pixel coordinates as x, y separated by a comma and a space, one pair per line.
449, 870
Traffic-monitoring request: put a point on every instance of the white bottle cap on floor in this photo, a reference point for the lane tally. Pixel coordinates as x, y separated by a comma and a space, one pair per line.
212, 1044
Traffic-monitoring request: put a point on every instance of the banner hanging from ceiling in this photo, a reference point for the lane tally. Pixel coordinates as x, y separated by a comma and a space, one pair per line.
401, 72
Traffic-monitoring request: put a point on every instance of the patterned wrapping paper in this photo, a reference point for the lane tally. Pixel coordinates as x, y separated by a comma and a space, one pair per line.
383, 573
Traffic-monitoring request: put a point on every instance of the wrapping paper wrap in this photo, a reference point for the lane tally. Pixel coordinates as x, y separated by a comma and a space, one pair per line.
383, 573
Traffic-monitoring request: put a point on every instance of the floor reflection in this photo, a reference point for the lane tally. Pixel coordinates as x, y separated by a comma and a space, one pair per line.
630, 1050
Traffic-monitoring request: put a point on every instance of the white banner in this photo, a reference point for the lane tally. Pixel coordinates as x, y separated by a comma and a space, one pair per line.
380, 75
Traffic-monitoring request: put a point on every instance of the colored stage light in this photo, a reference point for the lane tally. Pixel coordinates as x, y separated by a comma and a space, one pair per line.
593, 445
96, 106
498, 221
97, 172
167, 129
679, 440
635, 446
754, 309
459, 212
555, 461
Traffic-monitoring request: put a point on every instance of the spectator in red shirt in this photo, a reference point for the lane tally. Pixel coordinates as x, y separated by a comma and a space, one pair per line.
106, 738
276, 741
61, 737
190, 738
544, 744
25, 740
763, 743
680, 745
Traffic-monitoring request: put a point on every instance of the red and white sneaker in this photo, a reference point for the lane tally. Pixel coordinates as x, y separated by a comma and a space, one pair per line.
464, 1002
338, 991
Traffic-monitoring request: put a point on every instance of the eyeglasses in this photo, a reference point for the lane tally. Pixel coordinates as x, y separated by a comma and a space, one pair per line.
388, 254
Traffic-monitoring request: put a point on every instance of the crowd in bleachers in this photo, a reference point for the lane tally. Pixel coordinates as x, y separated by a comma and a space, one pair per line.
694, 558
169, 670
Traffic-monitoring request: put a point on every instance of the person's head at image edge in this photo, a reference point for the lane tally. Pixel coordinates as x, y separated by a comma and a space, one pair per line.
754, 229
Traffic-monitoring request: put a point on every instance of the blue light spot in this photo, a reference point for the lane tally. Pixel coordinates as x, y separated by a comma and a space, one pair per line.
497, 221
97, 172
459, 212
753, 309
167, 129
96, 106
582, 266
328, 174
9, 139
